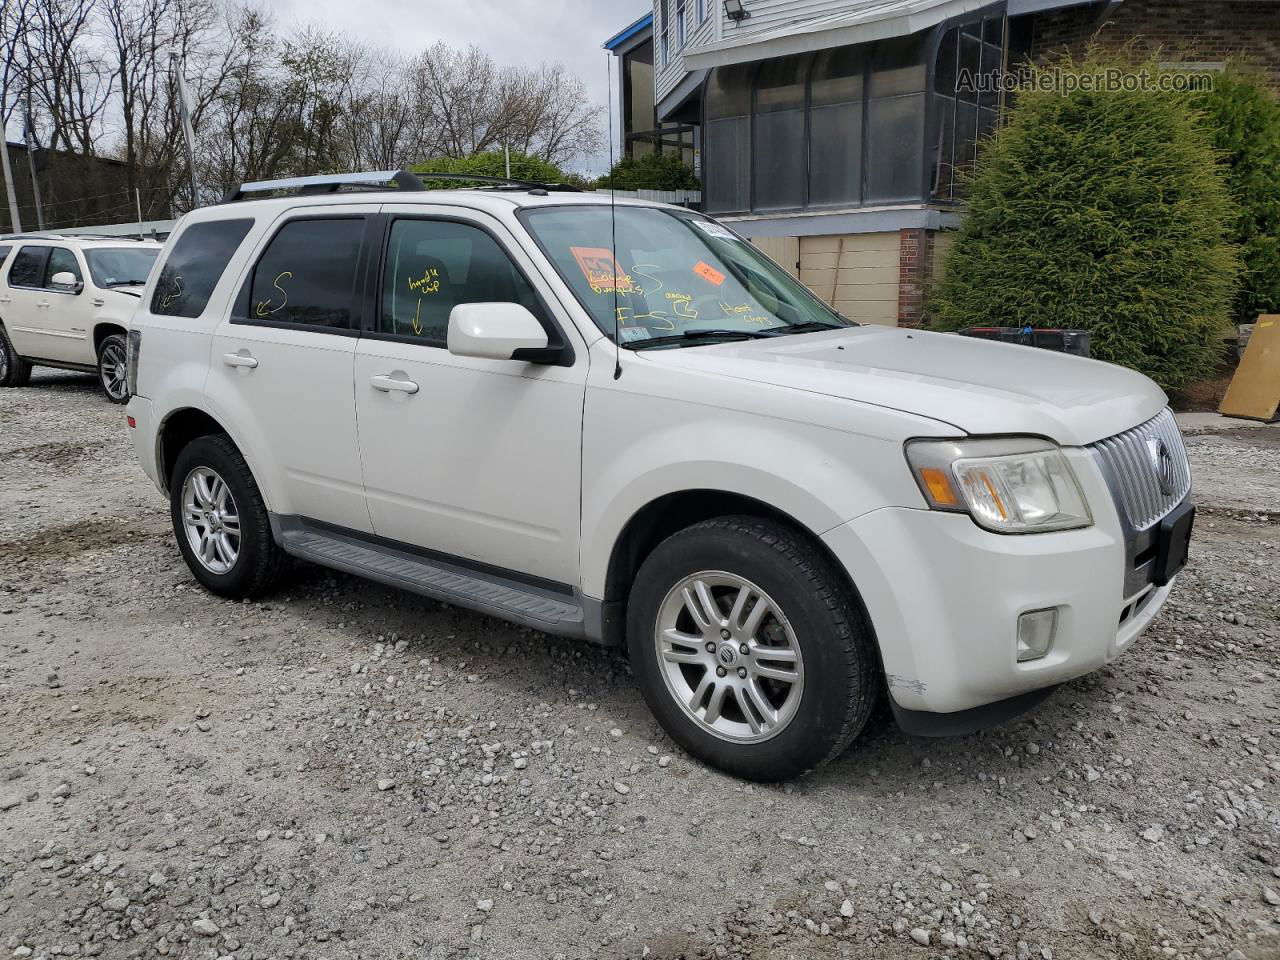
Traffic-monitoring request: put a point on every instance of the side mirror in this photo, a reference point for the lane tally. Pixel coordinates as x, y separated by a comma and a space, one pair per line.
66, 282
497, 331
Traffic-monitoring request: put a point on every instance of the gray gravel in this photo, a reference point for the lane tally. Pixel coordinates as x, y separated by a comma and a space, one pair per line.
345, 771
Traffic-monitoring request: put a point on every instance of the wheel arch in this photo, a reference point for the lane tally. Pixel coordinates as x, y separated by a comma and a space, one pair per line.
105, 328
178, 429
672, 512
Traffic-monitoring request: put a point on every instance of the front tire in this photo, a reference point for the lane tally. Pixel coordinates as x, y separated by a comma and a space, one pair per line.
750, 648
14, 371
113, 368
221, 520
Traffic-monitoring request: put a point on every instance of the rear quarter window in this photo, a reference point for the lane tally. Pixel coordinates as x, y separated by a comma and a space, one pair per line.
194, 266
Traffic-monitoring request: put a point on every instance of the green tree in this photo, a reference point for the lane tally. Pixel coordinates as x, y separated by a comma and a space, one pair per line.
1103, 211
1244, 119
491, 163
654, 171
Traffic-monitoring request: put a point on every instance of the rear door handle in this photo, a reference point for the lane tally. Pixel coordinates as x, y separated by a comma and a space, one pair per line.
239, 360
6, 299
43, 305
392, 385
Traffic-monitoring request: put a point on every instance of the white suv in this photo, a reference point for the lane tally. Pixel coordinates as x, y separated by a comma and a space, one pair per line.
632, 427
67, 302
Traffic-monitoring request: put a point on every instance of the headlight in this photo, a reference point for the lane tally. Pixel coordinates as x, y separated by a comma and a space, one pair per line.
1018, 485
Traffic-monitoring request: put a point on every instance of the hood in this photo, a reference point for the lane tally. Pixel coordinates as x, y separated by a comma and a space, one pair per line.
976, 386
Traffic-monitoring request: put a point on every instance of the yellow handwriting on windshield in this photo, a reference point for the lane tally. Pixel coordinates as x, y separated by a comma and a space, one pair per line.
264, 307
742, 311
682, 304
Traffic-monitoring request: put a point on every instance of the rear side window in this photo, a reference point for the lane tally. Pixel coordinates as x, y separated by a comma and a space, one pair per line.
307, 274
195, 265
4, 251
433, 266
28, 267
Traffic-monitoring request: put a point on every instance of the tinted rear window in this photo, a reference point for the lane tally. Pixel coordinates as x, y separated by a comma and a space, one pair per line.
195, 265
28, 267
307, 274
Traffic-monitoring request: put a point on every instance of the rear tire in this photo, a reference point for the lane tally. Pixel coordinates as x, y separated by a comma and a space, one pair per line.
221, 520
800, 675
14, 371
113, 368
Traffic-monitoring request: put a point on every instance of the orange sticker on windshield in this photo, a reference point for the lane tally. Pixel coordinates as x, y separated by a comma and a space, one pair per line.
709, 273
602, 270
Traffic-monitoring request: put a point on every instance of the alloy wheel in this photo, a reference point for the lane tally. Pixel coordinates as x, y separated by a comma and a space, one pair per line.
211, 520
112, 369
729, 657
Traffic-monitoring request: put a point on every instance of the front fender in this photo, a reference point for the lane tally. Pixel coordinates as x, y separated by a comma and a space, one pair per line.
817, 476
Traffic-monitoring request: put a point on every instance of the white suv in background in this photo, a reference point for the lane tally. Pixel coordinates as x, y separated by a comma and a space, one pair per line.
628, 425
67, 302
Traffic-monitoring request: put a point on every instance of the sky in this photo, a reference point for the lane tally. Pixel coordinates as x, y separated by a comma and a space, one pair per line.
526, 32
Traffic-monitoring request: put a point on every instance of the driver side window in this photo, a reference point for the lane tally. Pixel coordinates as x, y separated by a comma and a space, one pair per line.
433, 266
61, 260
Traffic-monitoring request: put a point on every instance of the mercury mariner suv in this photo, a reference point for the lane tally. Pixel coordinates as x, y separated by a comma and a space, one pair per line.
628, 425
67, 302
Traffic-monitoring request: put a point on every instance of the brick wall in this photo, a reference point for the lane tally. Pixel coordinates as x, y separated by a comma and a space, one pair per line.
1182, 31
915, 266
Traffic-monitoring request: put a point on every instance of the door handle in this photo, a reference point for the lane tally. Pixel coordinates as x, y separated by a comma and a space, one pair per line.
43, 305
6, 299
391, 384
240, 360
98, 302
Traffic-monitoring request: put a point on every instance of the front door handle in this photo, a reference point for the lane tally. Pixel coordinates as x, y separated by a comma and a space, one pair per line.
392, 385
240, 360
43, 305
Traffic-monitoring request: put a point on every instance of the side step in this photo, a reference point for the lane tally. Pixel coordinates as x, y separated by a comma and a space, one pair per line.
492, 594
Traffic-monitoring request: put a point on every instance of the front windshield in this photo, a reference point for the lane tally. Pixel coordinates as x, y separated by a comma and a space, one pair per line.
677, 276
120, 266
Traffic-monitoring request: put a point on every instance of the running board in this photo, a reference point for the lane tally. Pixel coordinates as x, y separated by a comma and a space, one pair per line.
488, 593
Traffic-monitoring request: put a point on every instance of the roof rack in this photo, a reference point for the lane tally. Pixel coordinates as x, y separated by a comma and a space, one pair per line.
6, 237
382, 180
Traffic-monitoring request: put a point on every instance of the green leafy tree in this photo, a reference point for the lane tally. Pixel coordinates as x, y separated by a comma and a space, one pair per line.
1244, 120
491, 163
1102, 211
654, 171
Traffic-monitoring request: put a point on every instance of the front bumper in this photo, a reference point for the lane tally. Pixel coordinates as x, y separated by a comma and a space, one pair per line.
944, 597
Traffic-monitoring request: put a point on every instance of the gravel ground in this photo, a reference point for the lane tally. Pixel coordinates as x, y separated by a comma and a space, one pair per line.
345, 771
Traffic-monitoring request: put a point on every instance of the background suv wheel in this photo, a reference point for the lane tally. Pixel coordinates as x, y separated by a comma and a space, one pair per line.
14, 371
751, 649
113, 368
221, 520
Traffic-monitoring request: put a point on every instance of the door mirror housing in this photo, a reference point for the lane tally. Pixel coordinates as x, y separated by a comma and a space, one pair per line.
65, 282
499, 331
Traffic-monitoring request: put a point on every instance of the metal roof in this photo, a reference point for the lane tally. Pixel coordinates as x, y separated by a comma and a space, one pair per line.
617, 40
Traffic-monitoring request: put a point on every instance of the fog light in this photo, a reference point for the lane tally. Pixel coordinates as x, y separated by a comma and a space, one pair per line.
1035, 634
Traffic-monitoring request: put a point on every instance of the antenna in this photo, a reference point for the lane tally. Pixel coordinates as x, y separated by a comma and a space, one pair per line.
613, 231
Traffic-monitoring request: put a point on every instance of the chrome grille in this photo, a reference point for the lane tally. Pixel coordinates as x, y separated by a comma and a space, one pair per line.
1132, 461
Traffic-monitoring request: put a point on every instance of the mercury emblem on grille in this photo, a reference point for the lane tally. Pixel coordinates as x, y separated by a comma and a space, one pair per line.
1162, 462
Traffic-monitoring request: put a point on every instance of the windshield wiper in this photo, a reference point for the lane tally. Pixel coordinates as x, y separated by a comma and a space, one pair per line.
690, 337
811, 326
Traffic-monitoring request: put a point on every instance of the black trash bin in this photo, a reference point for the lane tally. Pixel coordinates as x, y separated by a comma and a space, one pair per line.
1075, 342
